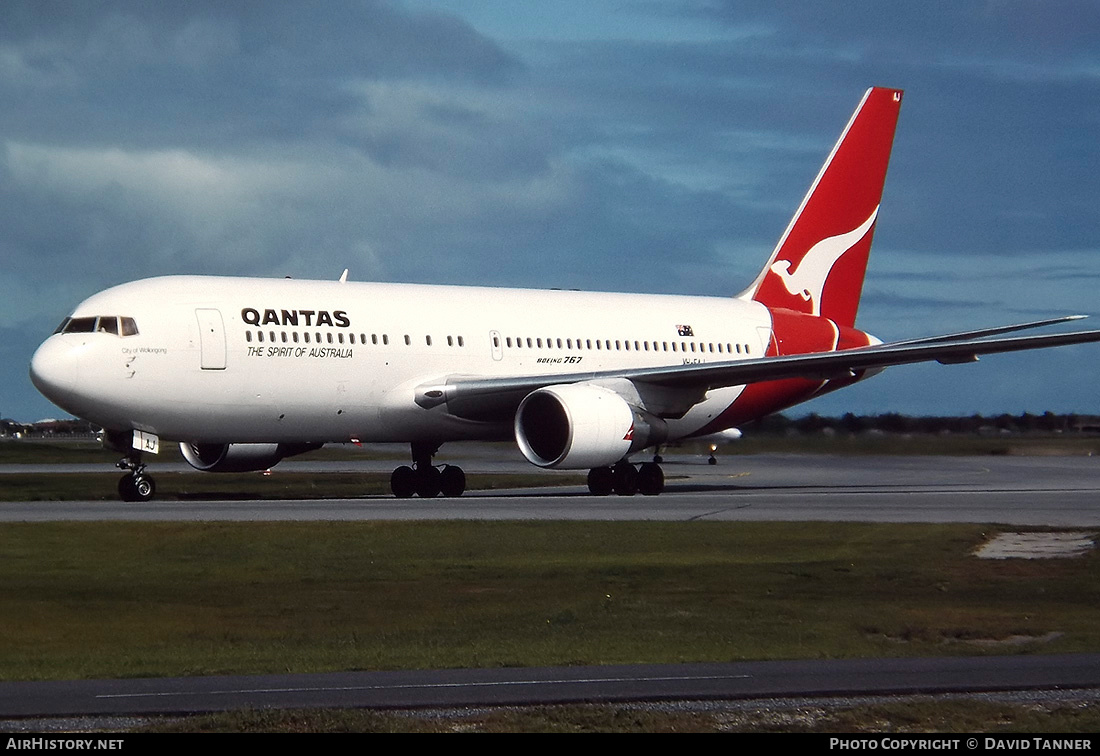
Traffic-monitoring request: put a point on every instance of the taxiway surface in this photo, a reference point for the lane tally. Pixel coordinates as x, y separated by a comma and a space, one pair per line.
552, 685
1061, 491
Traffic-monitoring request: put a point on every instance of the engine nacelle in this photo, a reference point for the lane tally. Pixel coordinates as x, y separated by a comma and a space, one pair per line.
578, 426
239, 457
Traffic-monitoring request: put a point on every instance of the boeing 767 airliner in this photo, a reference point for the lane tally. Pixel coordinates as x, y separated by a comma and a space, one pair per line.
243, 372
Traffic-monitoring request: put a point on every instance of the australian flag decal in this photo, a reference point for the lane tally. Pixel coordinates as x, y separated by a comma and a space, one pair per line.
684, 330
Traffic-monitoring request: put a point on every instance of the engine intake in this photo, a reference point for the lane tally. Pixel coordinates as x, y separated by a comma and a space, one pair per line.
578, 426
239, 457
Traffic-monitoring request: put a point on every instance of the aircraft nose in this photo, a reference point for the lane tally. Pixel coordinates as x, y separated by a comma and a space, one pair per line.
53, 370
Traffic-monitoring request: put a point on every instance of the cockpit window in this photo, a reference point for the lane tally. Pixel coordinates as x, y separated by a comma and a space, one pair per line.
80, 325
101, 324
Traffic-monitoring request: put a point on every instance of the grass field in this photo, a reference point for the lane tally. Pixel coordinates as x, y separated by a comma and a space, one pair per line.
151, 599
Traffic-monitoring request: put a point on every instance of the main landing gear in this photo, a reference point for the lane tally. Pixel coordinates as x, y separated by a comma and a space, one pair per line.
424, 479
626, 479
136, 486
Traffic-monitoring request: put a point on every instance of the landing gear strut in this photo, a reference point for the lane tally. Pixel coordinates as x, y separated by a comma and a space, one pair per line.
425, 480
626, 479
136, 486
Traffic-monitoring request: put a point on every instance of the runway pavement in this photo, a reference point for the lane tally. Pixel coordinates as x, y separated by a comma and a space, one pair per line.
1025, 491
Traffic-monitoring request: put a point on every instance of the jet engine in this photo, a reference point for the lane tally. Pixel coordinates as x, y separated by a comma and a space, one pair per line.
578, 426
239, 457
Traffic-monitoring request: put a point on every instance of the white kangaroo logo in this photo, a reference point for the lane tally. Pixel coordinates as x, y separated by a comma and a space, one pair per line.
808, 279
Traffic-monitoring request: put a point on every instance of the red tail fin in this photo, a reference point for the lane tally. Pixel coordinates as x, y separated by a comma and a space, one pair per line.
818, 266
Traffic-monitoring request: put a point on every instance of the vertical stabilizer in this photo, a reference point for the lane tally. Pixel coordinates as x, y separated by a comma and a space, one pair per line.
818, 266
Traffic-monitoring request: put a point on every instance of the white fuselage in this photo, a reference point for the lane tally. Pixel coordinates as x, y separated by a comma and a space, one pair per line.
223, 360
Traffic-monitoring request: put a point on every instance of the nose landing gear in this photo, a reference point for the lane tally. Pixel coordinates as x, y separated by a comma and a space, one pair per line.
136, 486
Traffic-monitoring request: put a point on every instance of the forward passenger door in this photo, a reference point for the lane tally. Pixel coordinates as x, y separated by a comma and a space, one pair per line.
211, 339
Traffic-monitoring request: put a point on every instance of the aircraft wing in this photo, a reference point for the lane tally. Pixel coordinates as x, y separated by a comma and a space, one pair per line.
479, 397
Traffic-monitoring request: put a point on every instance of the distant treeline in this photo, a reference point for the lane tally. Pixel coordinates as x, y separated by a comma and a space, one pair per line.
1048, 422
11, 428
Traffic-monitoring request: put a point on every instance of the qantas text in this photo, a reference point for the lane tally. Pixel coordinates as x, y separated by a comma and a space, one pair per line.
337, 318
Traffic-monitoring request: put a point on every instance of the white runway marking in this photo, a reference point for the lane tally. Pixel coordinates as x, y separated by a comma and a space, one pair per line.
427, 686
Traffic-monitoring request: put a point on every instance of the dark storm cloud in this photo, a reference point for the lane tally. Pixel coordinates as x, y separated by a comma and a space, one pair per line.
997, 137
356, 37
204, 71
1010, 38
156, 134
407, 144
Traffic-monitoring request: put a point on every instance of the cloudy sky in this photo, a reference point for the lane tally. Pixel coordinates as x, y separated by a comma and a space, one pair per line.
628, 145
